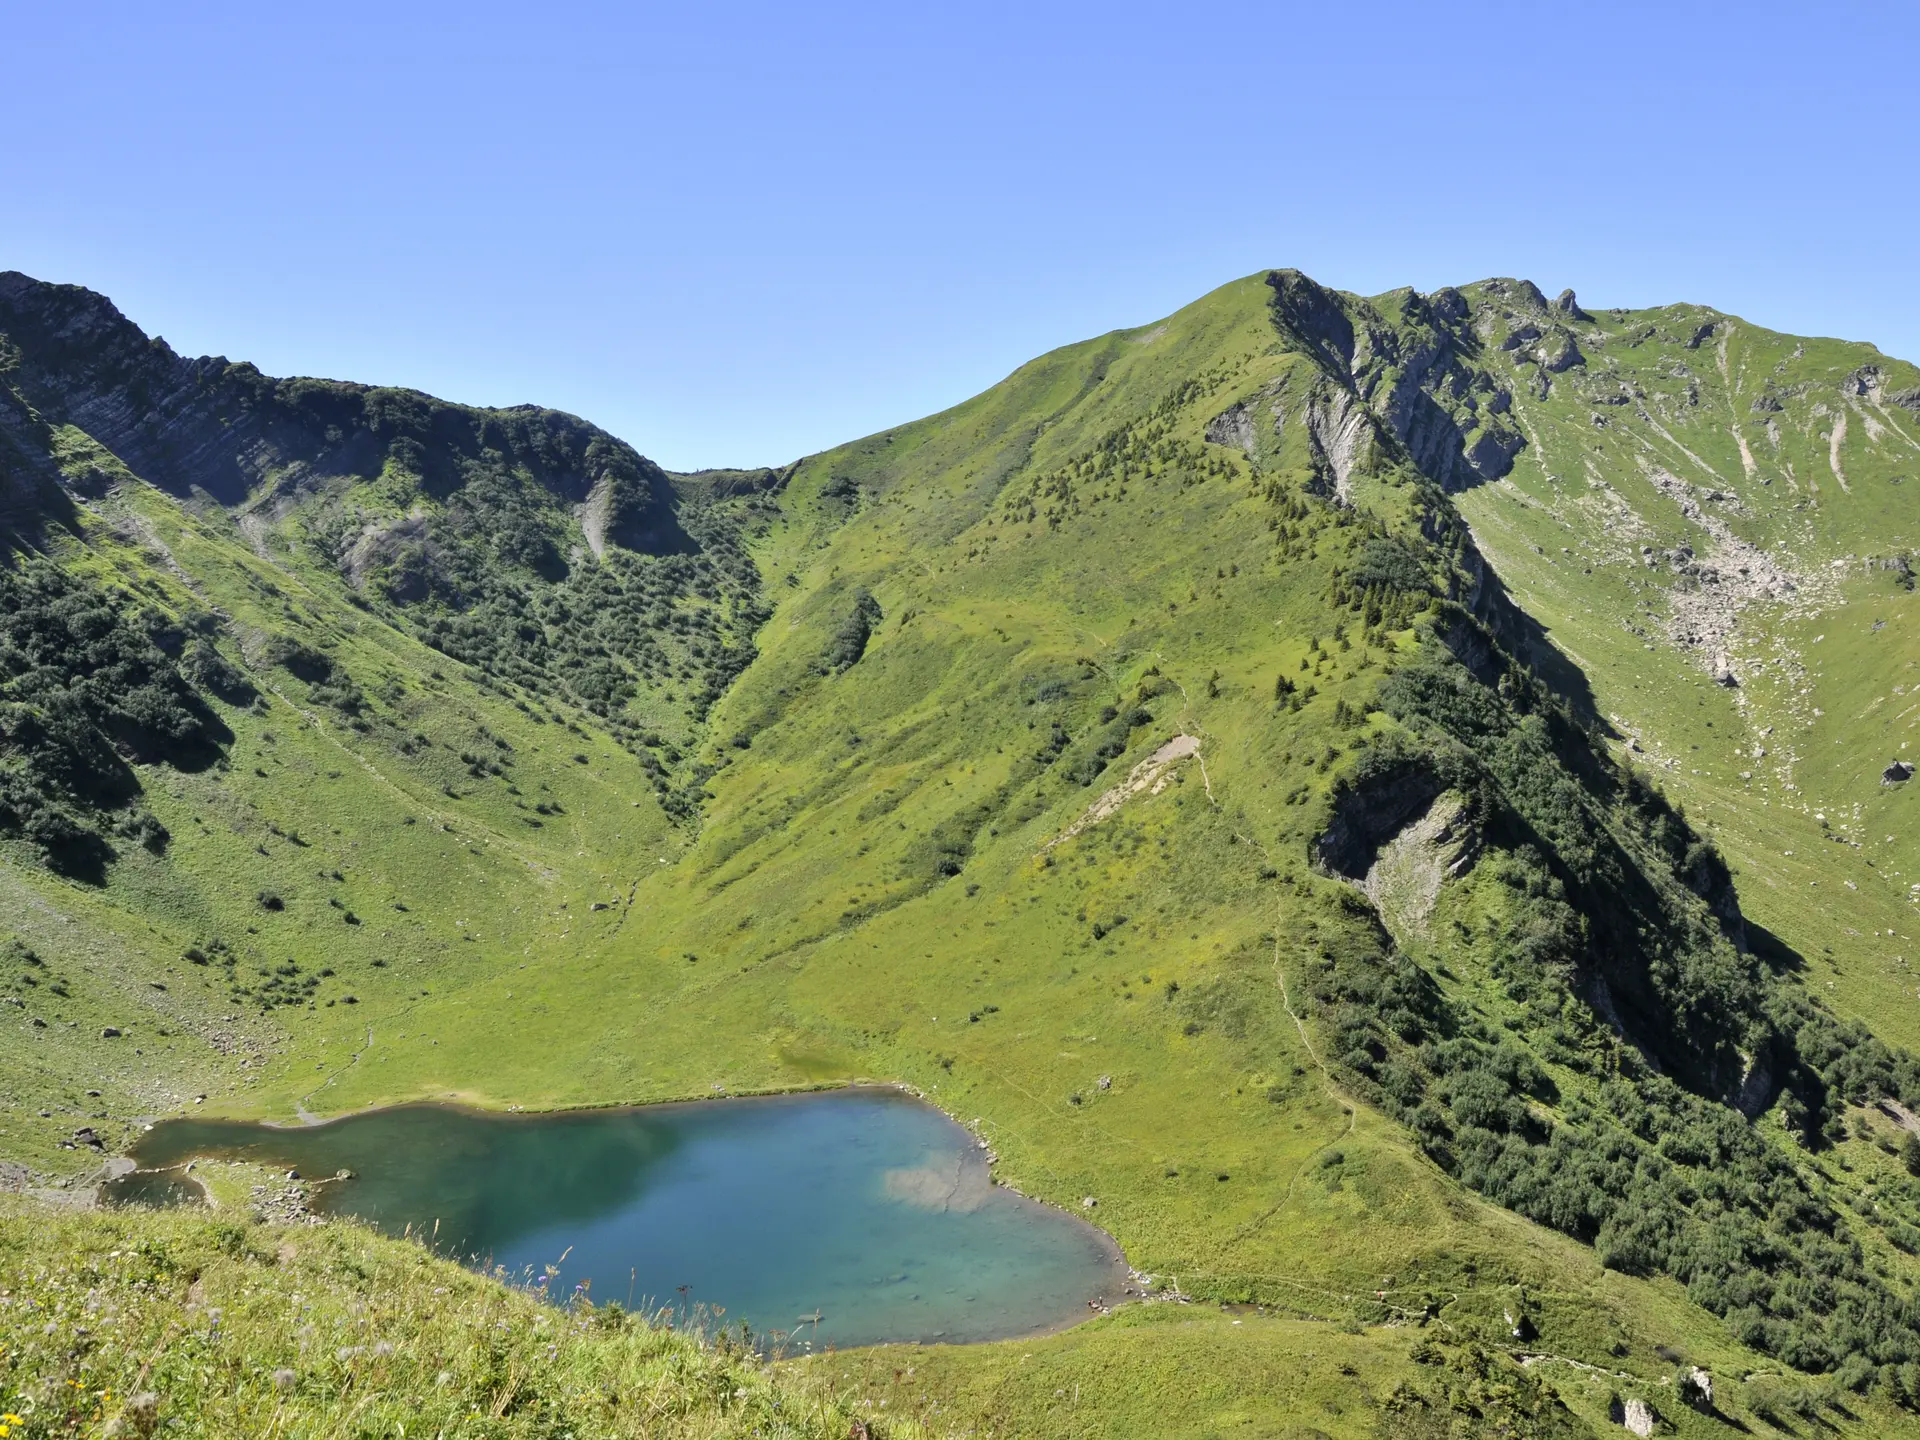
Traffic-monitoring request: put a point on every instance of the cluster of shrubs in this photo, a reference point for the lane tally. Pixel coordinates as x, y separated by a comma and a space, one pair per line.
1385, 583
849, 641
90, 685
327, 682
488, 587
1614, 939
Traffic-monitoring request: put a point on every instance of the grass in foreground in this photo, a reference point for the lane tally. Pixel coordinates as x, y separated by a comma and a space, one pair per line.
136, 1323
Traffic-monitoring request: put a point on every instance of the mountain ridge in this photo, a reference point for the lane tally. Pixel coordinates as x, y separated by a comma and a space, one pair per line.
1261, 525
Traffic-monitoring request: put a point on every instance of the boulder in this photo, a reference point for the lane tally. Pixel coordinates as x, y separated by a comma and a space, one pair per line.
111, 1032
1697, 1389
1636, 1414
1566, 304
1898, 773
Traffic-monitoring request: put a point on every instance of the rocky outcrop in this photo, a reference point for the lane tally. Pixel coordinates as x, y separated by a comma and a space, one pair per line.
1415, 375
1233, 426
1371, 810
1408, 871
222, 430
1561, 356
1315, 318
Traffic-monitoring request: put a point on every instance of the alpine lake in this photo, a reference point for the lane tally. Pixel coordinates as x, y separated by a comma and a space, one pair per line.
837, 1218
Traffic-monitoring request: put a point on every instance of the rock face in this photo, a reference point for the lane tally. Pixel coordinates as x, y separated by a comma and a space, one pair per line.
1414, 377
1233, 426
1342, 433
217, 429
1405, 878
1369, 815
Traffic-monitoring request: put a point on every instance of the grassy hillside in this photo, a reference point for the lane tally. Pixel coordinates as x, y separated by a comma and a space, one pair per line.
137, 1325
1717, 521
1142, 760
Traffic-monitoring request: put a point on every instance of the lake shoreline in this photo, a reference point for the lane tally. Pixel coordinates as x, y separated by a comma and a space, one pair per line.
1007, 1290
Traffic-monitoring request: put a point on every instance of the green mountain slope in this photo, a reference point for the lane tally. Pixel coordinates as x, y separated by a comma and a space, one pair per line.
1718, 522
1178, 761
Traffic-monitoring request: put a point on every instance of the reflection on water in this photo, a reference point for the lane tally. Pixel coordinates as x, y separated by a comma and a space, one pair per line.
863, 1207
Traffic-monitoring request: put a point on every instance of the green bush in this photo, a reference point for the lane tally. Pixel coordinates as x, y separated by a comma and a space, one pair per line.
86, 690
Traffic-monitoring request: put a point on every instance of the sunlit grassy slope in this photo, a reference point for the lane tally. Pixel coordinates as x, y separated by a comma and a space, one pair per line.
141, 1325
1780, 457
980, 625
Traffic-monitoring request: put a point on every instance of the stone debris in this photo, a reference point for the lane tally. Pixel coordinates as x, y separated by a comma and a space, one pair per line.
1151, 775
288, 1203
1732, 575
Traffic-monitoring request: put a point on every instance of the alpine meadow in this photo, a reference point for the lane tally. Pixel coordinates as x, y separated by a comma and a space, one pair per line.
1392, 808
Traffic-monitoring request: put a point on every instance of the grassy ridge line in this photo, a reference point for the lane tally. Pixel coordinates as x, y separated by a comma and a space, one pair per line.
132, 1324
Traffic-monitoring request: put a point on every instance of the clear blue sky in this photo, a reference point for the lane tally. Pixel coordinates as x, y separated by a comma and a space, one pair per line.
735, 233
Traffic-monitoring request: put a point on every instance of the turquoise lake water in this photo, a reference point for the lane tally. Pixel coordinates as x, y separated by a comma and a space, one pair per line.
865, 1206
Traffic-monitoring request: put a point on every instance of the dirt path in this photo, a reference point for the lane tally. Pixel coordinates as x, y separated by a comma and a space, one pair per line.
307, 1117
